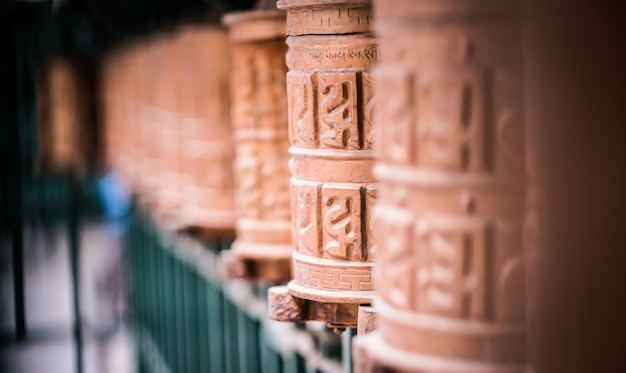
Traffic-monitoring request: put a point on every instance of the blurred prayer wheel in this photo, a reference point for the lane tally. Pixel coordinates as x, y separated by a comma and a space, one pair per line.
147, 53
450, 160
167, 127
131, 110
208, 151
330, 101
66, 131
108, 96
259, 116
120, 87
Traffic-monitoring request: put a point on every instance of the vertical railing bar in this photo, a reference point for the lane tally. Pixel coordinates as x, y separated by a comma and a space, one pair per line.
242, 335
14, 199
74, 254
179, 297
346, 349
217, 325
193, 348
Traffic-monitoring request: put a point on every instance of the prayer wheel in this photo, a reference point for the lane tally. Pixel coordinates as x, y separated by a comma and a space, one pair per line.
450, 160
108, 97
262, 249
66, 131
168, 128
208, 151
330, 102
148, 53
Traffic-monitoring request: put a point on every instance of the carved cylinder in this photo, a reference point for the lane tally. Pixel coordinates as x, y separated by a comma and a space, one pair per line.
208, 153
330, 102
451, 168
259, 117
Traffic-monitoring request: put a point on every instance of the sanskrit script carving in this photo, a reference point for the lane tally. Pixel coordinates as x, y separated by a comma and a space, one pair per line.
342, 223
451, 119
336, 123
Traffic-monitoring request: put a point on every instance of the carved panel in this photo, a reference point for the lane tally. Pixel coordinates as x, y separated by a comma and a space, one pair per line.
307, 217
396, 110
303, 126
337, 109
453, 268
450, 119
397, 266
371, 218
320, 276
369, 102
342, 219
333, 19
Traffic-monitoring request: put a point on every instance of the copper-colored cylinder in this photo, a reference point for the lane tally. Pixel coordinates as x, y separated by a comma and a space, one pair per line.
66, 132
259, 116
208, 151
130, 107
450, 162
167, 126
330, 104
150, 76
108, 93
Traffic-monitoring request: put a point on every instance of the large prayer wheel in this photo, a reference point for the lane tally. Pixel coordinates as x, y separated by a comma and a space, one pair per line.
330, 100
259, 117
450, 162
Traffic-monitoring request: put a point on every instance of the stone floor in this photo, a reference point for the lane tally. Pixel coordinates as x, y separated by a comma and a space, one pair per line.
49, 347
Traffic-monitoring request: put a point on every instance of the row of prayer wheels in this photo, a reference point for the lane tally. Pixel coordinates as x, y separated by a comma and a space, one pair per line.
410, 198
167, 125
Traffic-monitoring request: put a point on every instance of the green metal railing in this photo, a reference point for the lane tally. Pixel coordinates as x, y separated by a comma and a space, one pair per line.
186, 319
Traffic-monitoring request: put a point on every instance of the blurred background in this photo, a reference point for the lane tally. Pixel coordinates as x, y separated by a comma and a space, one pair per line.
67, 222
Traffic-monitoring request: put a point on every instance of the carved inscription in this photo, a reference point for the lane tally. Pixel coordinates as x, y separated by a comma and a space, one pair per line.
341, 210
397, 267
329, 20
452, 273
331, 110
337, 108
302, 126
274, 186
371, 218
307, 215
396, 105
330, 220
451, 116
322, 55
369, 101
